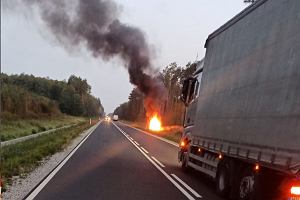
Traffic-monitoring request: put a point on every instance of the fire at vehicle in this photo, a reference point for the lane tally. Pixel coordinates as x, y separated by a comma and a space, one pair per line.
155, 123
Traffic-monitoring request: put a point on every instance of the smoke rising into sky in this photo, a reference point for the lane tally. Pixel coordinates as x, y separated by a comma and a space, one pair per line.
95, 24
176, 28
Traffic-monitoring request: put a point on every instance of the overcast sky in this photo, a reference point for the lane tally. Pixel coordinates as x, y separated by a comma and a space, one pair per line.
177, 29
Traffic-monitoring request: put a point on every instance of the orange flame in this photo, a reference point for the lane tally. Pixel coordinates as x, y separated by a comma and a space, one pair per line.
155, 124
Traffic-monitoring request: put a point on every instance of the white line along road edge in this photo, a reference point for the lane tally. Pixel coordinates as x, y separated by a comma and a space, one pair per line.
183, 191
160, 138
35, 192
186, 186
162, 165
145, 150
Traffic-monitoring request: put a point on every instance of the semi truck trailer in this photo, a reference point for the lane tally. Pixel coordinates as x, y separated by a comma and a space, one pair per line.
242, 119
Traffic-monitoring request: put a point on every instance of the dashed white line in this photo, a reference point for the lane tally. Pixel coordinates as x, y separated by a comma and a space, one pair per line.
187, 186
136, 143
183, 191
144, 150
162, 165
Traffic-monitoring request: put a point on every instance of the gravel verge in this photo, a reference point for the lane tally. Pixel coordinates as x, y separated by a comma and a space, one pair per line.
22, 185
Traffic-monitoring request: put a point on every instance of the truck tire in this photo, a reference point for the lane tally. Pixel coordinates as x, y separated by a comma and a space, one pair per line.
223, 180
246, 185
184, 165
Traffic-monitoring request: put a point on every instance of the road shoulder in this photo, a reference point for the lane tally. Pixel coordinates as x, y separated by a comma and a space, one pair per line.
21, 186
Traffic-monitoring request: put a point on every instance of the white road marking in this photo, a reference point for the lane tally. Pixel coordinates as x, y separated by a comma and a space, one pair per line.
162, 165
183, 191
186, 186
145, 150
136, 143
36, 191
160, 138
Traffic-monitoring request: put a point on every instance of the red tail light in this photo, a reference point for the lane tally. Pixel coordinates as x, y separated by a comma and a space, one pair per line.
295, 190
291, 188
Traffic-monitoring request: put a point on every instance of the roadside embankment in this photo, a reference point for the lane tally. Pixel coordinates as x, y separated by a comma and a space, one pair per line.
16, 128
19, 159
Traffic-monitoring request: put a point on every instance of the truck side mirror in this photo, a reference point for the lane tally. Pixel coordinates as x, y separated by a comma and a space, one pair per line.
184, 91
187, 90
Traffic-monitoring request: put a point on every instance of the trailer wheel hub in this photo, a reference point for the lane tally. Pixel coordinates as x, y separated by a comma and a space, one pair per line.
222, 182
246, 186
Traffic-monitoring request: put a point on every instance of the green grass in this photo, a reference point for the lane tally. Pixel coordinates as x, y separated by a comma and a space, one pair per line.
21, 158
11, 129
172, 133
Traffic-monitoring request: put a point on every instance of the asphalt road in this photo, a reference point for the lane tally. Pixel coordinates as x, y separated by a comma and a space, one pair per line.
120, 162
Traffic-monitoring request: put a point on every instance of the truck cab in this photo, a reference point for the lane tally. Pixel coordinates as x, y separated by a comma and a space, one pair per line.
189, 96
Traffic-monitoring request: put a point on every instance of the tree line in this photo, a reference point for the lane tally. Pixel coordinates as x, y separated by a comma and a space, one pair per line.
172, 76
29, 96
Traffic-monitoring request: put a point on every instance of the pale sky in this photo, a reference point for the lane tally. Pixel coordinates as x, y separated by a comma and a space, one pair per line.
177, 29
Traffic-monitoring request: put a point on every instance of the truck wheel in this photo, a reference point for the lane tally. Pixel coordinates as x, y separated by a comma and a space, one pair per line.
246, 186
222, 179
184, 162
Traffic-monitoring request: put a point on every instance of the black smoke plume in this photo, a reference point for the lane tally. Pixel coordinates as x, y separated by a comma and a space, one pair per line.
95, 25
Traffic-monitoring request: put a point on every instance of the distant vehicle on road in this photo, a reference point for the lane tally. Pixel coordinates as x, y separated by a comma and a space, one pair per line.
107, 118
115, 117
242, 124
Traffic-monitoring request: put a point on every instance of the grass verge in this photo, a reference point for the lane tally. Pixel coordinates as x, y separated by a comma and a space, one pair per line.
21, 158
11, 129
172, 133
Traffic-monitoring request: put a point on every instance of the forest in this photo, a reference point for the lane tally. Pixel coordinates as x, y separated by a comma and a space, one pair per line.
27, 96
172, 76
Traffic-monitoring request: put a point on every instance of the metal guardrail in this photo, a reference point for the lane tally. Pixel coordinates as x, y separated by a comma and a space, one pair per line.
28, 137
